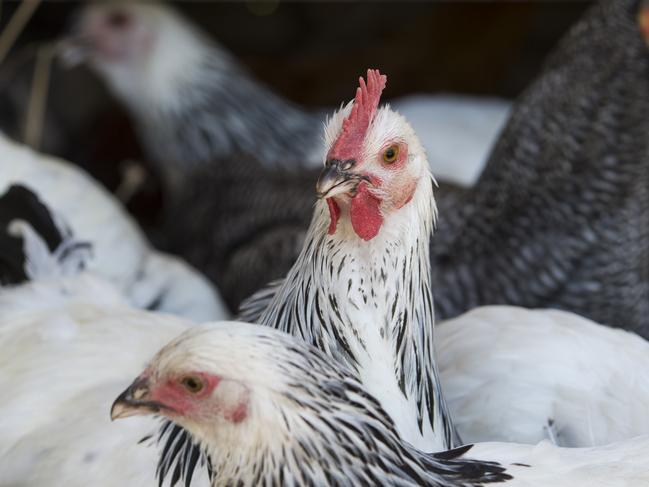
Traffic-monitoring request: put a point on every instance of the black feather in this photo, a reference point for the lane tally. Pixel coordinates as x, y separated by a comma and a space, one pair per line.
20, 203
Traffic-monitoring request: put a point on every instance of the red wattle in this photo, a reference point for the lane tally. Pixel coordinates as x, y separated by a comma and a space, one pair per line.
365, 213
334, 213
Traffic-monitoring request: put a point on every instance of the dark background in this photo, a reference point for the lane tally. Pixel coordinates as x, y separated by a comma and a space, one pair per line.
310, 52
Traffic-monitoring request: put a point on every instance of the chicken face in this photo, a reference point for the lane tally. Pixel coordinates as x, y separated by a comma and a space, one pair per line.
115, 33
373, 163
141, 49
198, 397
213, 381
201, 399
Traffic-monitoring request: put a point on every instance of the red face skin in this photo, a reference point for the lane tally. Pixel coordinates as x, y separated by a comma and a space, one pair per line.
180, 401
366, 208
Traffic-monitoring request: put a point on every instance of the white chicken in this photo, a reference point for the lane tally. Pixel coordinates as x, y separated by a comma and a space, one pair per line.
510, 374
267, 409
70, 337
121, 253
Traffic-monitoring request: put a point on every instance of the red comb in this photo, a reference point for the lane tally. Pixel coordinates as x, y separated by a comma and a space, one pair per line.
356, 124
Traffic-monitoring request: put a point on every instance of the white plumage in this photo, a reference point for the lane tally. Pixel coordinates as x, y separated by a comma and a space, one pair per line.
506, 372
67, 344
61, 337
292, 409
121, 253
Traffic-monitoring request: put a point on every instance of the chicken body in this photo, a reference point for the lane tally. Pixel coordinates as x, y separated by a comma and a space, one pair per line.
121, 252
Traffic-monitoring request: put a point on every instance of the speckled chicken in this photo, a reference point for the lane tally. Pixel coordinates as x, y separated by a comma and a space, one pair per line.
560, 216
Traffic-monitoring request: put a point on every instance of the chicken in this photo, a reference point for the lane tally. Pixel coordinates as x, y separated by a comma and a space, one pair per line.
68, 336
334, 282
360, 288
121, 253
268, 409
514, 374
194, 104
559, 216
201, 116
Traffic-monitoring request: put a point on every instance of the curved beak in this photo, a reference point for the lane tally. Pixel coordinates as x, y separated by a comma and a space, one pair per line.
135, 401
335, 180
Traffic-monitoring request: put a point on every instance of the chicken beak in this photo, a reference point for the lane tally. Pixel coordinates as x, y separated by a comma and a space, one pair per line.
134, 401
335, 180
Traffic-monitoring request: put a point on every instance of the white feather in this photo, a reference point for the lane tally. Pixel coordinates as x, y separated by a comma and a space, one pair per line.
67, 346
121, 253
507, 371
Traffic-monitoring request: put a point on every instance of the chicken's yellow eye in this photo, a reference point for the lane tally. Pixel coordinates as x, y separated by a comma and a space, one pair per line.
192, 384
391, 153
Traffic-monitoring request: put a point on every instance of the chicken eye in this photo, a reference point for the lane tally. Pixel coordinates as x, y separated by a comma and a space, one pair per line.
390, 154
192, 384
118, 19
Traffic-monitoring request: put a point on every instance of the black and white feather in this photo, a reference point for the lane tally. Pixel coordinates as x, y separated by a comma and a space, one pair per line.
34, 242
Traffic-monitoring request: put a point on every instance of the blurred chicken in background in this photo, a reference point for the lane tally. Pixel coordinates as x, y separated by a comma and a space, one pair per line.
151, 279
194, 103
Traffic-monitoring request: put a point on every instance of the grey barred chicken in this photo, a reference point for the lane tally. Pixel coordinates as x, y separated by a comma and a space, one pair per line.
560, 216
251, 221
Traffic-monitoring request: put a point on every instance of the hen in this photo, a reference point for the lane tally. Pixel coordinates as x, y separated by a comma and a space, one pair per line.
290, 416
121, 252
560, 215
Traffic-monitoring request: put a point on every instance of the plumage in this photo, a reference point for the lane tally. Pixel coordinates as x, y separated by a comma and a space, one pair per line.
247, 224
559, 217
507, 372
69, 339
310, 422
19, 205
121, 252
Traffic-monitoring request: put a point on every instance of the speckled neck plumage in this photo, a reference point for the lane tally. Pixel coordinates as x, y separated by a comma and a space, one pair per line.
369, 304
319, 426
